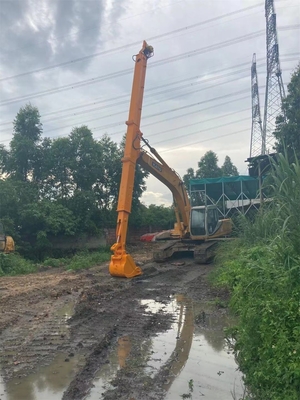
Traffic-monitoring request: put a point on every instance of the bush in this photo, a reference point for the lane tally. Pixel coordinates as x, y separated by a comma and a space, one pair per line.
262, 270
13, 264
87, 260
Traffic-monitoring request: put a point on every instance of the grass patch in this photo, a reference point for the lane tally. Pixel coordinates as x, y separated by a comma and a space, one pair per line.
14, 264
261, 268
87, 260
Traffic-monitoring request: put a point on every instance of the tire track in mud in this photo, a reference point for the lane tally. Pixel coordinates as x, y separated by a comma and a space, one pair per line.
119, 314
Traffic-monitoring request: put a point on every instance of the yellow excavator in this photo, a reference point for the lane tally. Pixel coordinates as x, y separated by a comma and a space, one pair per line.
197, 229
7, 244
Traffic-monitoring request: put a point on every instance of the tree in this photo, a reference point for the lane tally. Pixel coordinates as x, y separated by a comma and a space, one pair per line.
228, 168
287, 133
24, 144
190, 174
3, 159
86, 158
208, 166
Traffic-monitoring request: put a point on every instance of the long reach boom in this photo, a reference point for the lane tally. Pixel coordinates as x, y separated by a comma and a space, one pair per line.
122, 264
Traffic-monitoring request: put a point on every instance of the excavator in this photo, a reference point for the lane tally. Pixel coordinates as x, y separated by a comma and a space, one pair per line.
7, 244
197, 229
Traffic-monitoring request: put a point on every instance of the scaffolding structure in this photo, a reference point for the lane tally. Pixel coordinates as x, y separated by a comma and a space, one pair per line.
229, 194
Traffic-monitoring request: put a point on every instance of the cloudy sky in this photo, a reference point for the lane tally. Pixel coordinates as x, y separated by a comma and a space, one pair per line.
73, 60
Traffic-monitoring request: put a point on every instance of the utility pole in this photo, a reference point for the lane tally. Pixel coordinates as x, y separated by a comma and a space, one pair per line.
274, 85
256, 145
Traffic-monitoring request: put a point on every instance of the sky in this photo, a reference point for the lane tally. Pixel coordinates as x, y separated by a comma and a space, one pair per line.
73, 60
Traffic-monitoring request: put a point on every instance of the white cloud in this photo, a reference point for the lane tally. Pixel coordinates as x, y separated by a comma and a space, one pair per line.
102, 26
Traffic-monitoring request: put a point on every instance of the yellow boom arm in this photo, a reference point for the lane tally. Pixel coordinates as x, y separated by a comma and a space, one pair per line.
122, 263
172, 180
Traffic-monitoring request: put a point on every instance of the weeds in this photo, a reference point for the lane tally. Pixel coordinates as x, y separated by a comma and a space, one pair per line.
262, 270
14, 264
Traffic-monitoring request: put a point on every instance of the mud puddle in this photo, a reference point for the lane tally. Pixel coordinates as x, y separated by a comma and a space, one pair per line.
190, 360
50, 381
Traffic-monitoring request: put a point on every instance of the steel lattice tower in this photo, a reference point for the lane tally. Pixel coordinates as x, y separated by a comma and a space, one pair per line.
274, 86
256, 146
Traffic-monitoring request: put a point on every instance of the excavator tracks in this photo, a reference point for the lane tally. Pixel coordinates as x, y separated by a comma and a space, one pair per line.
203, 253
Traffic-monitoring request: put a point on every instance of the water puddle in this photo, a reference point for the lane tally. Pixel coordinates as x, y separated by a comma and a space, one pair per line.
117, 360
195, 357
48, 383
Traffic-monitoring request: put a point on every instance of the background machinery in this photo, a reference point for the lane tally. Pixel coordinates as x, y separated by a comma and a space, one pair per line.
7, 244
197, 228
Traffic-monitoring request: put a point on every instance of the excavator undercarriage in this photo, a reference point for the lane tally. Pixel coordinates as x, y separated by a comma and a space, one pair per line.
203, 253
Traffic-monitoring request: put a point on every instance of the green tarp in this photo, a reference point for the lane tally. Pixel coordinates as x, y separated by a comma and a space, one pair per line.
231, 186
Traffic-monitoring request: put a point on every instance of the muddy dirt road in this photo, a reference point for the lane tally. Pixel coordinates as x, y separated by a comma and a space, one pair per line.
86, 335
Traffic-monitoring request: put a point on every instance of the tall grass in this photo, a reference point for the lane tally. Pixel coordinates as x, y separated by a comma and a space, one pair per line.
14, 264
262, 270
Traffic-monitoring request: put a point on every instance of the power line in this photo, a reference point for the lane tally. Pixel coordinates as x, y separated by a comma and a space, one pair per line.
163, 112
196, 123
151, 90
203, 141
89, 28
129, 70
204, 130
186, 28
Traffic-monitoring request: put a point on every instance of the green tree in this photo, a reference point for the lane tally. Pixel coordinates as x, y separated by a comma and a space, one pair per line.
59, 181
208, 166
24, 144
228, 168
190, 174
287, 133
4, 154
86, 158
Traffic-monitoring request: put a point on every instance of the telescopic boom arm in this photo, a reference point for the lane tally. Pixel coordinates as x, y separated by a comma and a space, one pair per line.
122, 263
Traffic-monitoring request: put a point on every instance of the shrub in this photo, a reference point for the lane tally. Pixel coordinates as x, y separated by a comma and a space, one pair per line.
13, 264
262, 270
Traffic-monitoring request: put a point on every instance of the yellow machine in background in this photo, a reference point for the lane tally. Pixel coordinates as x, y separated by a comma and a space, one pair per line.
197, 228
7, 244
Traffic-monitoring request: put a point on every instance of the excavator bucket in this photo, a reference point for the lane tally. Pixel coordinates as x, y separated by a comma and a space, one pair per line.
123, 266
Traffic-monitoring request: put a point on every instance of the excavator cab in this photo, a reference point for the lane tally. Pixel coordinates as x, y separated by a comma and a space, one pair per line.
204, 221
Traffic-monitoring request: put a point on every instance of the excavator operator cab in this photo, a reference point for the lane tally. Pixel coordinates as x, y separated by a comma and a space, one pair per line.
204, 220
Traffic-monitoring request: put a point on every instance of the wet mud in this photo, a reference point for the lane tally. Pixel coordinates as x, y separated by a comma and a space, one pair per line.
158, 336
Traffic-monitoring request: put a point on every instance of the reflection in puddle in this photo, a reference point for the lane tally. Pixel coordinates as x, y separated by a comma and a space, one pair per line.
117, 360
48, 383
194, 358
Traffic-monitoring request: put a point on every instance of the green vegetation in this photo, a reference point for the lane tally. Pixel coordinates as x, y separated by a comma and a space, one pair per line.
208, 168
288, 133
67, 187
14, 264
262, 270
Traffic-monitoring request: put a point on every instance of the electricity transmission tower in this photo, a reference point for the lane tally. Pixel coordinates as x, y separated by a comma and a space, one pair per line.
274, 86
256, 145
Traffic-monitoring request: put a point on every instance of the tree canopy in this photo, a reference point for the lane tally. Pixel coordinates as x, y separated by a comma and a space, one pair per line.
287, 131
208, 168
64, 186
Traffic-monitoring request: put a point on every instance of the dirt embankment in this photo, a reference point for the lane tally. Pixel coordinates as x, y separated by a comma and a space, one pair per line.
107, 312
